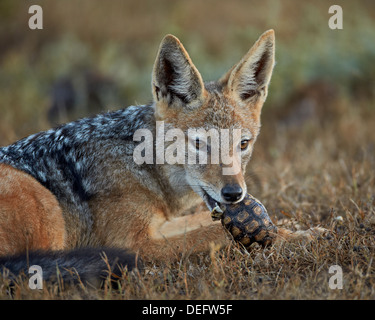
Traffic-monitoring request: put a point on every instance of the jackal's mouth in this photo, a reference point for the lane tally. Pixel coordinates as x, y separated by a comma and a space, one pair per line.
210, 202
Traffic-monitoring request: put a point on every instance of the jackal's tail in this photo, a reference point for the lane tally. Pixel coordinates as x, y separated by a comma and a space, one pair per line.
89, 266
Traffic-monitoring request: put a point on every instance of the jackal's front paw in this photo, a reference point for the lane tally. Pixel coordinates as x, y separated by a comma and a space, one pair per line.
313, 233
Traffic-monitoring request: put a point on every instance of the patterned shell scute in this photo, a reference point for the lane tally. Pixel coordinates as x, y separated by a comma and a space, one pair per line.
249, 222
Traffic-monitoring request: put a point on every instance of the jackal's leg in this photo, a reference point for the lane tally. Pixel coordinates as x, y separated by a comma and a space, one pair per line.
184, 235
30, 216
300, 235
194, 233
153, 235
136, 219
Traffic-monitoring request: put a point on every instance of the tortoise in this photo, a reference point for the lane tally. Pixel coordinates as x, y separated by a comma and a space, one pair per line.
247, 221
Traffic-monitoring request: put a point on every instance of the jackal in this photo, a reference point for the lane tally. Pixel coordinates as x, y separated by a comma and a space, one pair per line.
78, 185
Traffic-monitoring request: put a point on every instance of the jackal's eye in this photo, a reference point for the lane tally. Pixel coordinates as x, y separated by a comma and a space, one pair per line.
244, 144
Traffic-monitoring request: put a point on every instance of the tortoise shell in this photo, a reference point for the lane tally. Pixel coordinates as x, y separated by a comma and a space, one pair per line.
247, 221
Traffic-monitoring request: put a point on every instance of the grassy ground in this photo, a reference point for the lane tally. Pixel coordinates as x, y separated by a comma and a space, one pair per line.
329, 182
313, 163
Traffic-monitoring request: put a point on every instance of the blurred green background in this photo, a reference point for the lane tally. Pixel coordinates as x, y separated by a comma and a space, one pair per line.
98, 55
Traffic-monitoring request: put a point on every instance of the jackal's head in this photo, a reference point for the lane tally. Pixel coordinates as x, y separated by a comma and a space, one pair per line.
202, 110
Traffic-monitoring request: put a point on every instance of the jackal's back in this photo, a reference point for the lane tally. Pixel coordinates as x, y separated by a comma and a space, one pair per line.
70, 160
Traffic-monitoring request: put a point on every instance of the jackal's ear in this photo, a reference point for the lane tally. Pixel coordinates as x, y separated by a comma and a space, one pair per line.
175, 79
251, 76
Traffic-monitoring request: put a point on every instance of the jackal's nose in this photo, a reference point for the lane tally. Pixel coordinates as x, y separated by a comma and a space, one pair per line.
232, 192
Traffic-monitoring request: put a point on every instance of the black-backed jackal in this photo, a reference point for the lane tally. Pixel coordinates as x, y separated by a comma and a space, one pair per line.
78, 185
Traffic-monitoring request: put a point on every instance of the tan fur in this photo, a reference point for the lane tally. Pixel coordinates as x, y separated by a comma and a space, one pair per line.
300, 235
30, 216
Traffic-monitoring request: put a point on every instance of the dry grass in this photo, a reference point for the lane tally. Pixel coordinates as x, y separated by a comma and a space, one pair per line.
307, 171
